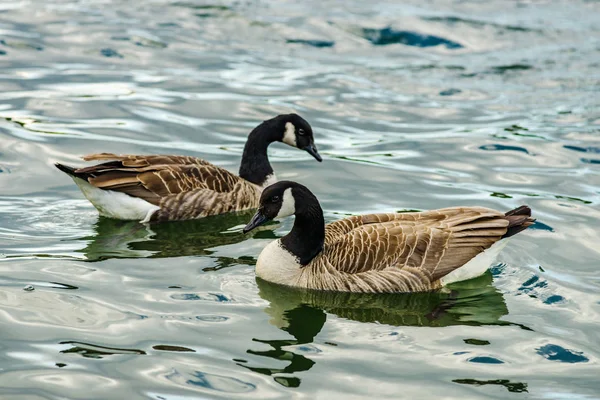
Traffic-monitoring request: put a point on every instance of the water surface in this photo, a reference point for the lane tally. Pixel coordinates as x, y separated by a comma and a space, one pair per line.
414, 106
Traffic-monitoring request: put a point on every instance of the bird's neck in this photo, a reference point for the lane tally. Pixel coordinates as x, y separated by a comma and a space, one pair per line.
255, 166
306, 239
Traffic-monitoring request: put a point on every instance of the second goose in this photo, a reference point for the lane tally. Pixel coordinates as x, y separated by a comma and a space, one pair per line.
163, 187
377, 253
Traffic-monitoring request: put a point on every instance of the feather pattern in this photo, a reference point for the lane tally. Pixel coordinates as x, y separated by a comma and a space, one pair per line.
182, 187
406, 252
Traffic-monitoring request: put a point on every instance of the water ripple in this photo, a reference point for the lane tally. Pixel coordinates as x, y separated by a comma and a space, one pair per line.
414, 106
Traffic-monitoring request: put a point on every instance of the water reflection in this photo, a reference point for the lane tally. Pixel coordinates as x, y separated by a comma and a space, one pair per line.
130, 239
303, 313
475, 302
89, 350
513, 387
304, 323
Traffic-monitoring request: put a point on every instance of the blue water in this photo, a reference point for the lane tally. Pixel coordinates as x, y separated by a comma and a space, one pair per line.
415, 105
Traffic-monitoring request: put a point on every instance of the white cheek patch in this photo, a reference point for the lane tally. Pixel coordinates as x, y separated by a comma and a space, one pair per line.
289, 136
288, 205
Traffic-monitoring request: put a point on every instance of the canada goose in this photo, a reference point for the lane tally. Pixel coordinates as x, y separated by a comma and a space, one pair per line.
406, 252
163, 188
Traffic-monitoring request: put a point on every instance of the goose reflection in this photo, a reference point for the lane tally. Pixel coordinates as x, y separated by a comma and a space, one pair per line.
303, 313
303, 323
131, 239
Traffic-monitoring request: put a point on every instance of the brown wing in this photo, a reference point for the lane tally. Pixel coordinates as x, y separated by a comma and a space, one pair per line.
337, 229
199, 203
156, 177
435, 243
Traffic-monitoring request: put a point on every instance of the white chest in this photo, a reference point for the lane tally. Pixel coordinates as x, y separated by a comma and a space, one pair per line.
275, 264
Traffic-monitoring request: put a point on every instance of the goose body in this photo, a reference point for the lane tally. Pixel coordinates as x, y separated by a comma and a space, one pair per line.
405, 252
164, 187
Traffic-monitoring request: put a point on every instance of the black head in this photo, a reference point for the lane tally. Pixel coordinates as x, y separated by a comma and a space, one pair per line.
297, 132
306, 239
280, 200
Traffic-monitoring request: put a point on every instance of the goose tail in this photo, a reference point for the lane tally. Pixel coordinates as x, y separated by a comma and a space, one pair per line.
110, 203
66, 169
519, 219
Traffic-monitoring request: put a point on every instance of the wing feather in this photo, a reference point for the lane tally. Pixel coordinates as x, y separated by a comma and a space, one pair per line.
429, 244
156, 177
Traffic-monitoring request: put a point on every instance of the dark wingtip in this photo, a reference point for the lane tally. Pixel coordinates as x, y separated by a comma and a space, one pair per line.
66, 169
519, 219
522, 210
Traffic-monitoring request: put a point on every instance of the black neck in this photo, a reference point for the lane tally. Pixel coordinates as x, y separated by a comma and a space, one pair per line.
306, 238
255, 166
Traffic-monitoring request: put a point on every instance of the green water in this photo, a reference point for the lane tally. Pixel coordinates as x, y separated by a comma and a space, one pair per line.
414, 105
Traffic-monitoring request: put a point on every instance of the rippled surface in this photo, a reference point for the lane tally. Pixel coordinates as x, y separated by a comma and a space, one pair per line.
414, 106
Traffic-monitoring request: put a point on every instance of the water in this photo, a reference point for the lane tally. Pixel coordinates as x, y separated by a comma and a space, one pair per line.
414, 106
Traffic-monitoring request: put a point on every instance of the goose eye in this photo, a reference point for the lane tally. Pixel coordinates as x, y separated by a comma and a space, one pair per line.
301, 132
274, 199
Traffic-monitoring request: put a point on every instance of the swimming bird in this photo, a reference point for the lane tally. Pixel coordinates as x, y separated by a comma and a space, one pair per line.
379, 253
151, 188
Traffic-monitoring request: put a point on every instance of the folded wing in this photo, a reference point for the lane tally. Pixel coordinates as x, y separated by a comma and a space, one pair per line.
432, 243
182, 187
154, 177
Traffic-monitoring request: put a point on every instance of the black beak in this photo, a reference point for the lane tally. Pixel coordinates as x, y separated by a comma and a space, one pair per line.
312, 150
257, 220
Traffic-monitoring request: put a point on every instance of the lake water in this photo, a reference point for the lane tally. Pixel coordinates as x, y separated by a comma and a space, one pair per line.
415, 105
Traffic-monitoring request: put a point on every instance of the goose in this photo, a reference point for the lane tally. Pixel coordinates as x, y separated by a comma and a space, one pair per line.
154, 188
378, 253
